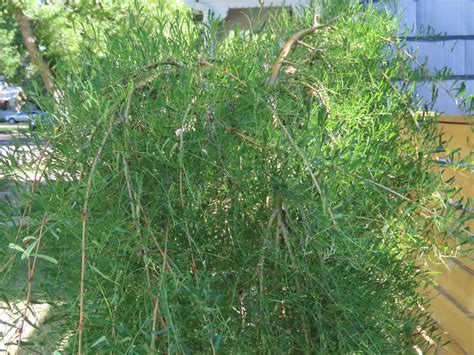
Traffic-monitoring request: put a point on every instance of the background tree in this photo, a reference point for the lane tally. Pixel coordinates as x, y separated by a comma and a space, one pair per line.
35, 36
31, 45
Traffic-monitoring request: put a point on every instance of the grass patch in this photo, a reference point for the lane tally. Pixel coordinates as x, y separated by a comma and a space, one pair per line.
6, 128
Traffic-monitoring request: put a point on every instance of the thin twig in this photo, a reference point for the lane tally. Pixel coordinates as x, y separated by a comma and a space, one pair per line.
126, 165
317, 92
295, 39
224, 70
241, 135
84, 218
181, 193
166, 266
32, 267
145, 70
153, 328
272, 106
304, 44
148, 68
282, 232
31, 273
395, 89
425, 70
399, 195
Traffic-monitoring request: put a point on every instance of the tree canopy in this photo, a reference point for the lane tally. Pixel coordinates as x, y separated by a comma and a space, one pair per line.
60, 29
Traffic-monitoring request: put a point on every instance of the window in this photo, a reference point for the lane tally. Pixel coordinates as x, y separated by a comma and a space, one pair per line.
3, 105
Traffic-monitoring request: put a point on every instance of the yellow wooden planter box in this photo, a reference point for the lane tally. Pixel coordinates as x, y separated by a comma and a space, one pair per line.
452, 299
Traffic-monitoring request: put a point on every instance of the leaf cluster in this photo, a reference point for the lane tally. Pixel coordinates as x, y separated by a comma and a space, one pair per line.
203, 210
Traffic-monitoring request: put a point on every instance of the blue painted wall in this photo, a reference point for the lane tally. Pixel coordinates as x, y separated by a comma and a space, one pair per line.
442, 31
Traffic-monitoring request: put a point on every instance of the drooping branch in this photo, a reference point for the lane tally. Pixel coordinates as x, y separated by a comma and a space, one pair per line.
31, 45
287, 49
295, 39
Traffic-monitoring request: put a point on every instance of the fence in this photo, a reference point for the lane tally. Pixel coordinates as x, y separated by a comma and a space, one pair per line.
452, 298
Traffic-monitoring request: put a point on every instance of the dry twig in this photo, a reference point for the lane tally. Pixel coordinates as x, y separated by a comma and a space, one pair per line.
205, 63
295, 39
84, 218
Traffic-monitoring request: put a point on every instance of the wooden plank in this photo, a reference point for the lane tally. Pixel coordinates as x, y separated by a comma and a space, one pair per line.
467, 261
456, 119
463, 253
458, 132
453, 319
452, 300
458, 281
461, 130
457, 177
445, 345
464, 179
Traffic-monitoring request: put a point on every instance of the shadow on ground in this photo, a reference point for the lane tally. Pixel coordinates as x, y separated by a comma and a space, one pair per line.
37, 327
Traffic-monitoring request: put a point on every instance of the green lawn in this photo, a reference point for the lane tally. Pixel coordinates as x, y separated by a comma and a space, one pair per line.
6, 128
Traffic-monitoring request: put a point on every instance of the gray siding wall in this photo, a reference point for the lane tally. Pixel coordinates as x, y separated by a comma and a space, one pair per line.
454, 21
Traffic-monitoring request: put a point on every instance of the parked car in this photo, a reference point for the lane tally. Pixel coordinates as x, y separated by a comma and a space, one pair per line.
42, 119
6, 113
5, 110
24, 116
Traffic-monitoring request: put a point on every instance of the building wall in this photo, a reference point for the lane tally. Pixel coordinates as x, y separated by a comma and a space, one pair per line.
441, 34
452, 295
441, 31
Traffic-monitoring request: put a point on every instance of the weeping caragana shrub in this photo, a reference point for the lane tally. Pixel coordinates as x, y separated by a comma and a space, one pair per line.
223, 196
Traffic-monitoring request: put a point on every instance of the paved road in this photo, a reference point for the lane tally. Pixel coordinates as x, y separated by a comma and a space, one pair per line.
11, 318
9, 134
16, 145
10, 139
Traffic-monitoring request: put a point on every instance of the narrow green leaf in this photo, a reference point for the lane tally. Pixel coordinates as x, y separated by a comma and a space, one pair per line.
99, 341
16, 247
27, 252
47, 258
102, 274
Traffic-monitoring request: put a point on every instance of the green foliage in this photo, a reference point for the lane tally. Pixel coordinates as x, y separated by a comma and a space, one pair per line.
60, 28
218, 213
9, 54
